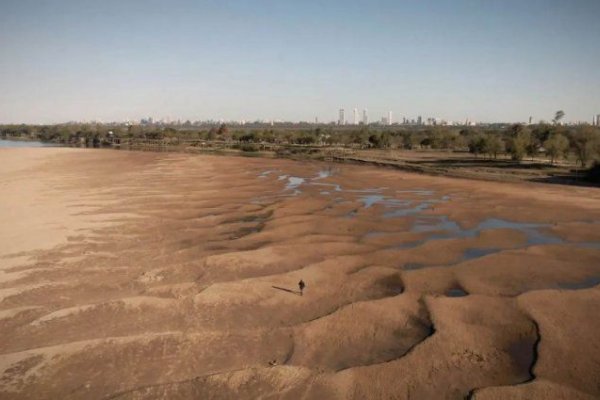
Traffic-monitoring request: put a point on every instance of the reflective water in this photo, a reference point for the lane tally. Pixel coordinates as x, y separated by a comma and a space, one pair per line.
324, 173
419, 192
585, 284
402, 204
472, 253
335, 186
412, 266
406, 212
451, 230
19, 143
294, 182
456, 292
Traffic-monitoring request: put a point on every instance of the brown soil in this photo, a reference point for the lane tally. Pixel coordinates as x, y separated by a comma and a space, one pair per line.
130, 275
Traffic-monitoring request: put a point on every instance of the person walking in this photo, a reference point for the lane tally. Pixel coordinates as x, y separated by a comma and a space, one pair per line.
301, 285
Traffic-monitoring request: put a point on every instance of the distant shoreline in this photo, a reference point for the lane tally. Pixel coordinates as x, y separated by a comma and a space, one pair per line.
453, 164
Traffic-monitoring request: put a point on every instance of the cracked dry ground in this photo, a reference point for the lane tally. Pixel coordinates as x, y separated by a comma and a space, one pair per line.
130, 275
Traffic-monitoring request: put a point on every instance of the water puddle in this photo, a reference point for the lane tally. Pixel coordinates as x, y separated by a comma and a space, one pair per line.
437, 227
588, 245
406, 212
585, 284
418, 192
294, 182
443, 228
370, 200
456, 292
265, 173
432, 224
324, 173
409, 245
473, 253
452, 230
335, 186
412, 266
368, 190
373, 234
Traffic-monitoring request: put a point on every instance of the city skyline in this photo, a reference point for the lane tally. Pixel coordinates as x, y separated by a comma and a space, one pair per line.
385, 120
69, 60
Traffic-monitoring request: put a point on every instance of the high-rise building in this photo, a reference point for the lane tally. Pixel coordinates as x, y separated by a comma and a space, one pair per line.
342, 118
598, 120
419, 120
365, 117
355, 115
389, 118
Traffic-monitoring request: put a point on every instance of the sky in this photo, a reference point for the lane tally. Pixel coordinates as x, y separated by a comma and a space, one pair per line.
486, 60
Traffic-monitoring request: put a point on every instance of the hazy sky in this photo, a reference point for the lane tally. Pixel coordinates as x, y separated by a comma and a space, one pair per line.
489, 60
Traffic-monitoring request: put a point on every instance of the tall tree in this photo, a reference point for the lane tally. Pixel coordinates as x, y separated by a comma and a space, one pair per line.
520, 142
585, 143
477, 144
493, 145
558, 116
556, 146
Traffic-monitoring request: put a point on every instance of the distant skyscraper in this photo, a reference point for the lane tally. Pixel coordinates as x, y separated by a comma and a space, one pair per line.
419, 120
389, 118
530, 120
355, 115
342, 118
598, 120
365, 117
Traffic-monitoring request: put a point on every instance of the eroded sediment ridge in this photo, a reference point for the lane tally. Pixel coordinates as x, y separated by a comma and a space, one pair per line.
174, 276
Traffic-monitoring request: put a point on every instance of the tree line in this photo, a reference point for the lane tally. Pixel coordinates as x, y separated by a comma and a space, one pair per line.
517, 141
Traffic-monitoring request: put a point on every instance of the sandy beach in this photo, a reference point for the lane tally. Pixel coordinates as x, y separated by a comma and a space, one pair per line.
139, 275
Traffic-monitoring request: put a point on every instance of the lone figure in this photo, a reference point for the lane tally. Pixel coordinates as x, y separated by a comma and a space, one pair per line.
301, 285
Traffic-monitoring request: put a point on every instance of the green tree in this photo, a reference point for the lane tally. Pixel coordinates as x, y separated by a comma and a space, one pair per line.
584, 143
493, 145
558, 116
542, 132
477, 144
211, 134
556, 146
385, 140
520, 142
409, 141
223, 132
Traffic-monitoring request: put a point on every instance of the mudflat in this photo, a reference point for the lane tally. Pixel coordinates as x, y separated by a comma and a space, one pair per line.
130, 275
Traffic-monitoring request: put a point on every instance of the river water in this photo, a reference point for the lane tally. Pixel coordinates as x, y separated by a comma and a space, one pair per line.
21, 143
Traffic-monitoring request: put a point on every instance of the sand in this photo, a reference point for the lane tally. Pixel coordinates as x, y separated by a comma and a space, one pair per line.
134, 275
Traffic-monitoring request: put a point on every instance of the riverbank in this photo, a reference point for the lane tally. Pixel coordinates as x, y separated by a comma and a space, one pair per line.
146, 274
429, 162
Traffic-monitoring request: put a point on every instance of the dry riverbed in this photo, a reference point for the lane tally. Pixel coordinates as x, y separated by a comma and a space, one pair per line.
129, 275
